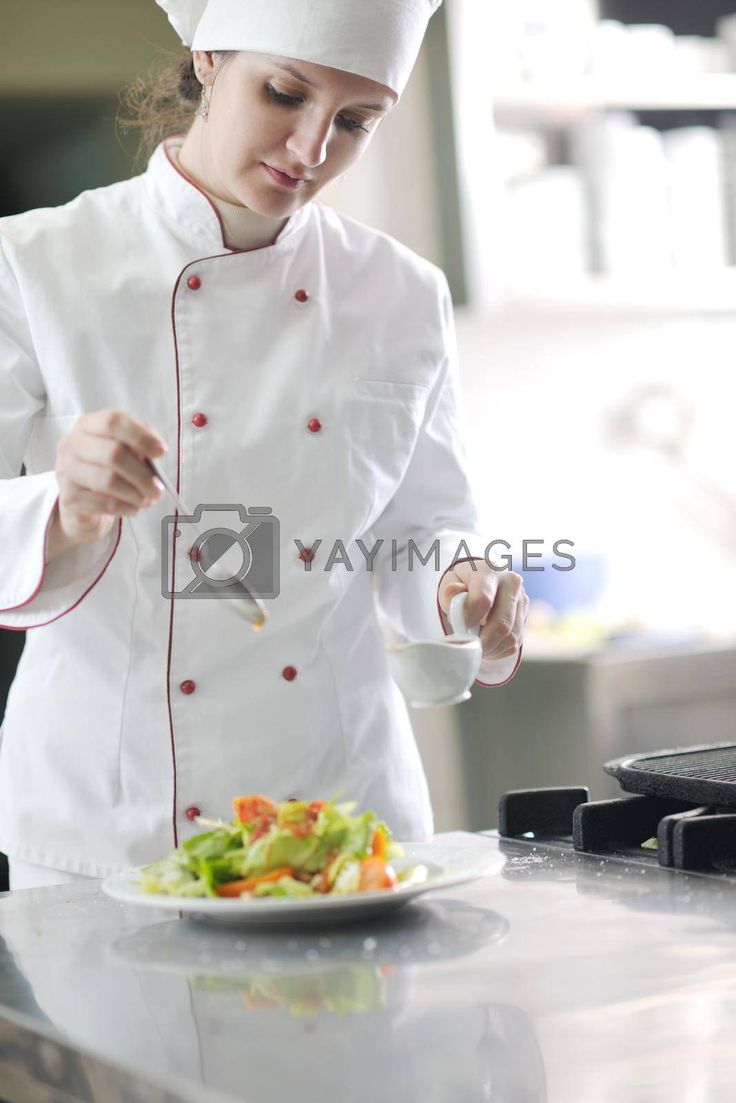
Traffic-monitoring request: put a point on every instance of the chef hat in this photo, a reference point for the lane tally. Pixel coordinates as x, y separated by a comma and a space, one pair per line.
378, 39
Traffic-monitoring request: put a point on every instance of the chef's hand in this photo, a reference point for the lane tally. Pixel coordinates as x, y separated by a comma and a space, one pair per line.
496, 600
102, 476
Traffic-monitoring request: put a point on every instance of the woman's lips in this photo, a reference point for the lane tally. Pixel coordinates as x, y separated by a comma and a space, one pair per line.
281, 177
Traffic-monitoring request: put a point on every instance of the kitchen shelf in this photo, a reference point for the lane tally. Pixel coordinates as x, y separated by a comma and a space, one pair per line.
558, 102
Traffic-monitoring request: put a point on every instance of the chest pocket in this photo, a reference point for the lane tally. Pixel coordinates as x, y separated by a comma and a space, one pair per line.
384, 422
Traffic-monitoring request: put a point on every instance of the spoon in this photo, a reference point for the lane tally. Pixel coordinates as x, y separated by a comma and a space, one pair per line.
247, 606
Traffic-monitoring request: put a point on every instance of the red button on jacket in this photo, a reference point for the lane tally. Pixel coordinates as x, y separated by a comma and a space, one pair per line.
188, 686
194, 283
289, 672
199, 420
192, 812
301, 295
314, 425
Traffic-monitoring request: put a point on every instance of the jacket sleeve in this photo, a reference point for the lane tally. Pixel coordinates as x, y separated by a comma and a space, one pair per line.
435, 508
32, 592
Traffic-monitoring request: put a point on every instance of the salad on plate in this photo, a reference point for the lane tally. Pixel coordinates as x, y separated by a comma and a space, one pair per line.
291, 848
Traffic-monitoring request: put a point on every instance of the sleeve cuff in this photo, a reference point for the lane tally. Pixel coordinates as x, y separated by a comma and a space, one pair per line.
35, 592
494, 673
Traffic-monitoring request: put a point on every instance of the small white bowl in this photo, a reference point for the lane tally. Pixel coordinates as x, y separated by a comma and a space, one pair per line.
432, 673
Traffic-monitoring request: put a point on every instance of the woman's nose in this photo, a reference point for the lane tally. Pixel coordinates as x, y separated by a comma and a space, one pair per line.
309, 141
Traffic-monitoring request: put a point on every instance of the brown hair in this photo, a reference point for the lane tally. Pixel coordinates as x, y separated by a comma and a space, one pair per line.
163, 102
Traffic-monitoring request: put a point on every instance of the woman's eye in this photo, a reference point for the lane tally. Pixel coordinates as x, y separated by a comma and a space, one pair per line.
353, 124
345, 122
281, 96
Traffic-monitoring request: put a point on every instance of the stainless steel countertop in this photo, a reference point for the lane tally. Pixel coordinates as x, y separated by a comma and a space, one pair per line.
563, 977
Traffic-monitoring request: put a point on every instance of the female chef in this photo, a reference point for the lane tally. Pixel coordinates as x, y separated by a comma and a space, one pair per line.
269, 353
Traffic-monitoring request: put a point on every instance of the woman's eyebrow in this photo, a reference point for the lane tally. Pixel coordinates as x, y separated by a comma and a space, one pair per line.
300, 76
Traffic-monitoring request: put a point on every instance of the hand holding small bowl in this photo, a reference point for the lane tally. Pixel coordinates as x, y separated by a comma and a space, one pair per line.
439, 672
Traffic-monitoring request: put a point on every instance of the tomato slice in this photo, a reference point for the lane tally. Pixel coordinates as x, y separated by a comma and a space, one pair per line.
304, 826
254, 807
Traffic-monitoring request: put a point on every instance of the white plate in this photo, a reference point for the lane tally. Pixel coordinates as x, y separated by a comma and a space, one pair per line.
451, 859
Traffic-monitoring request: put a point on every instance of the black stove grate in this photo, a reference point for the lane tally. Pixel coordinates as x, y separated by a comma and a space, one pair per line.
686, 800
689, 837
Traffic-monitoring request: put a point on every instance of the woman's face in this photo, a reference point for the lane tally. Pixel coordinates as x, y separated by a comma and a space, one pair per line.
312, 123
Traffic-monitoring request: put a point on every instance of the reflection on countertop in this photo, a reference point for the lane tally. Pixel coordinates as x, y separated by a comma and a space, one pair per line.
564, 977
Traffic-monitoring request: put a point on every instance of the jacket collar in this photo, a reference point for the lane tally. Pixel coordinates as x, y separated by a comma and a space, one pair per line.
181, 200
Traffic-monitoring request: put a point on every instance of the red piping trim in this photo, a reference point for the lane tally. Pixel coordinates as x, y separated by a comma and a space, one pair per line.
191, 182
192, 264
173, 553
29, 627
443, 618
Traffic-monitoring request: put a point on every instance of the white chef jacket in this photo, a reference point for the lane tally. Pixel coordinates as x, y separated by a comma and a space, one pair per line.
317, 377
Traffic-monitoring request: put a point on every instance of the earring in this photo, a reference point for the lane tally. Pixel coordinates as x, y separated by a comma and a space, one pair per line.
204, 107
